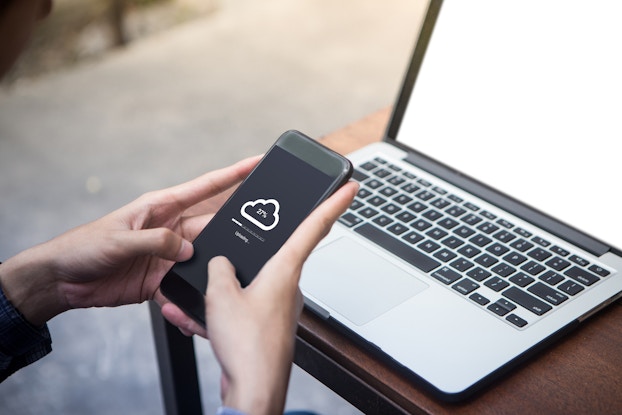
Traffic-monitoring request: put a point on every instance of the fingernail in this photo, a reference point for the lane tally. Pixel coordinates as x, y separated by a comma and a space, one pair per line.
186, 250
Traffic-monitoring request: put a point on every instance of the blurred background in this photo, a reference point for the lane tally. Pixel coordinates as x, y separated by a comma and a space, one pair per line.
118, 97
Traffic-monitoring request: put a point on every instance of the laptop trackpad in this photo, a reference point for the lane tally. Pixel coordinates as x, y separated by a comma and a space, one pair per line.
356, 282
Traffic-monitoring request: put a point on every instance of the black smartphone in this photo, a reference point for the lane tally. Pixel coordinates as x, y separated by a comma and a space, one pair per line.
294, 176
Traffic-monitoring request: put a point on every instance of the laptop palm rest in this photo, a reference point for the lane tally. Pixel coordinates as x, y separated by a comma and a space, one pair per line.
356, 282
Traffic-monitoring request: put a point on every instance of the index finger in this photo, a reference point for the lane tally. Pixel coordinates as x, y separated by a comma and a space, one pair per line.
194, 191
317, 225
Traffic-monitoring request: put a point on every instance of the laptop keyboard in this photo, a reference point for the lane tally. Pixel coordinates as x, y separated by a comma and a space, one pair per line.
510, 271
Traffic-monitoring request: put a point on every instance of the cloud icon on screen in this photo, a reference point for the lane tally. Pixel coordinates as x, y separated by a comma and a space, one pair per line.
261, 212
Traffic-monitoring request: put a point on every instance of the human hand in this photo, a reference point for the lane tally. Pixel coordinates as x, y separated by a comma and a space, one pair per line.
122, 257
252, 329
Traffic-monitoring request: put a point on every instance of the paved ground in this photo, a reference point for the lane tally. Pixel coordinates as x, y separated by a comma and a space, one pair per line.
77, 144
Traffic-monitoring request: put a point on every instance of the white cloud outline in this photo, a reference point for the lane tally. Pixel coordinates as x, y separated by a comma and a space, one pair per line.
254, 221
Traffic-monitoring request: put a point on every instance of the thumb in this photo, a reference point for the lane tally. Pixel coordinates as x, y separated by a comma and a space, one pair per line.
222, 280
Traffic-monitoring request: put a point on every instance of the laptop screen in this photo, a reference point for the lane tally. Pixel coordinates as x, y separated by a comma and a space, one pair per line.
526, 96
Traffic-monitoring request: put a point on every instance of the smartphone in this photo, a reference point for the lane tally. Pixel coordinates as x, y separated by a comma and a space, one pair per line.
294, 176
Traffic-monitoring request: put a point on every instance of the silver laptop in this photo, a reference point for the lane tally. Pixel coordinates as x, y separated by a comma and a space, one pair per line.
440, 272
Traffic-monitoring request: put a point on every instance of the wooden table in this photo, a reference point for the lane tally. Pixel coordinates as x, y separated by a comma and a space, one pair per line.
582, 374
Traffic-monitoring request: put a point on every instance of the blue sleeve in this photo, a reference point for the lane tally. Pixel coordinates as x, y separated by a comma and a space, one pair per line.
21, 343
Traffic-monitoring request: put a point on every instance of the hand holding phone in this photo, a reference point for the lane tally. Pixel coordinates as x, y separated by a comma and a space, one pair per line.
294, 176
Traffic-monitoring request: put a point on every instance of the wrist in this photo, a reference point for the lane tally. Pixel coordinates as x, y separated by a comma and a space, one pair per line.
27, 283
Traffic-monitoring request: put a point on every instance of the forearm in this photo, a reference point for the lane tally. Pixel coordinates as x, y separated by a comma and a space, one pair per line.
27, 282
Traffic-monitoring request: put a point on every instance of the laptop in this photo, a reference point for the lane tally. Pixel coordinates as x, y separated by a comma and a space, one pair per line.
487, 219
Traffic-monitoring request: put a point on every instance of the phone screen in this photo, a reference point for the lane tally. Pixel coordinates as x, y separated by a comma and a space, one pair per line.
258, 218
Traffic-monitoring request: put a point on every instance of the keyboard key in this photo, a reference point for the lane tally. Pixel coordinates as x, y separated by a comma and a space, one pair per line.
504, 236
560, 251
452, 242
369, 166
479, 274
410, 188
350, 220
503, 270
498, 309
448, 223
436, 233
382, 173
551, 277
480, 240
464, 231
455, 198
471, 219
488, 228
424, 182
368, 212
376, 201
390, 209
582, 276
521, 279
440, 203
488, 215
496, 284
557, 263
421, 225
469, 251
383, 220
547, 293
397, 228
396, 180
455, 211
445, 255
571, 288
580, 261
486, 260
533, 268
417, 207
497, 249
405, 217
471, 206
539, 254
527, 301
429, 246
388, 191
425, 195
398, 248
446, 275
373, 184
515, 258
461, 264
363, 193
599, 270
540, 241
521, 245
516, 320
359, 176
505, 223
356, 204
465, 286
412, 237
402, 199
432, 214
522, 232
479, 299
380, 160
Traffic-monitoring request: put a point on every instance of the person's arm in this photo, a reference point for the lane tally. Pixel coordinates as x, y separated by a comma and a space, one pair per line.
21, 343
118, 259
252, 329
